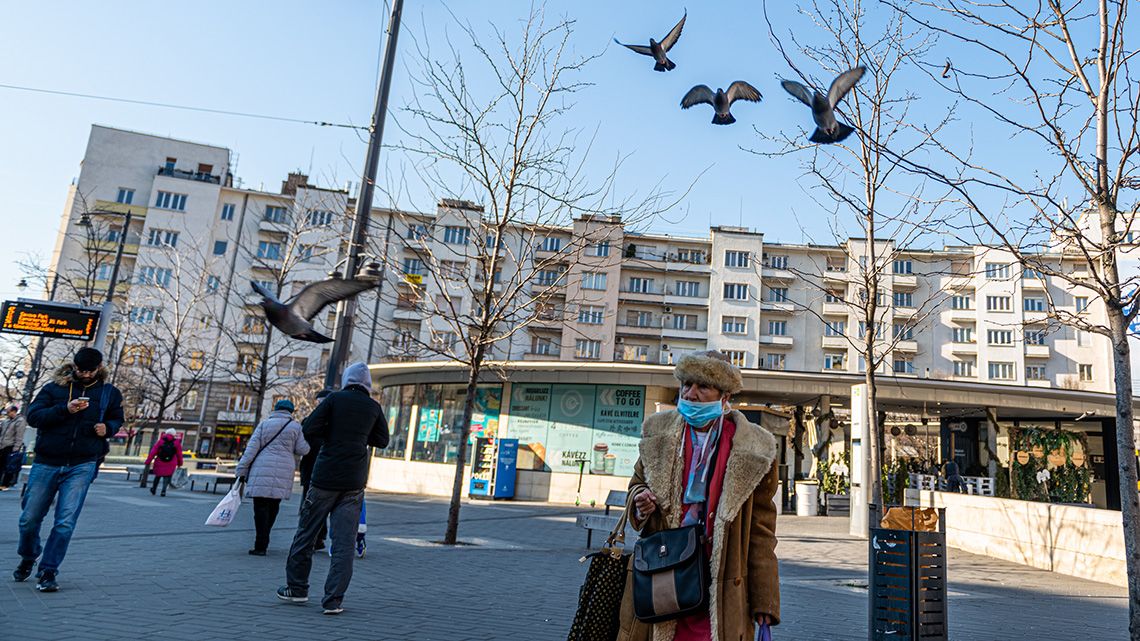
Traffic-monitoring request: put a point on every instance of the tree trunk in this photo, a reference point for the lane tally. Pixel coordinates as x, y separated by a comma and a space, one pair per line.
798, 444
1126, 455
450, 537
873, 486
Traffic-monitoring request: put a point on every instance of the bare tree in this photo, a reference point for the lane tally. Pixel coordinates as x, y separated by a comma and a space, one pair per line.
1058, 78
486, 273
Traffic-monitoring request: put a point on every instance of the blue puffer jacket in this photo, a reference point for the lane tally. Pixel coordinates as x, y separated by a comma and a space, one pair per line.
64, 438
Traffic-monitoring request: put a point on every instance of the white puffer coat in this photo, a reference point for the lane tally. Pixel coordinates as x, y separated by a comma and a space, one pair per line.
272, 473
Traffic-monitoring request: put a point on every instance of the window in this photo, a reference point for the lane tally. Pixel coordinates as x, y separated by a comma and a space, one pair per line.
275, 214
416, 232
162, 238
904, 299
1000, 371
1081, 302
777, 262
777, 328
836, 264
833, 297
641, 285
305, 253
294, 366
961, 302
1034, 372
253, 324
548, 277
444, 341
778, 294
834, 361
963, 335
997, 271
902, 332
903, 267
268, 285
593, 280
602, 248
407, 300
998, 303
1034, 304
999, 337
1031, 273
903, 365
736, 259
138, 355
862, 364
158, 276
685, 321
735, 291
228, 211
1083, 338
125, 196
1085, 372
691, 256
453, 269
239, 402
190, 398
170, 163
456, 235
168, 200
542, 345
414, 266
591, 314
835, 328
549, 244
143, 315
268, 250
318, 217
863, 329
584, 348
774, 361
104, 271
733, 324
219, 247
213, 283
689, 288
964, 368
736, 357
1035, 337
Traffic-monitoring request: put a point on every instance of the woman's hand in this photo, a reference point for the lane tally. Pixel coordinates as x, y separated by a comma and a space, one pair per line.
646, 503
762, 619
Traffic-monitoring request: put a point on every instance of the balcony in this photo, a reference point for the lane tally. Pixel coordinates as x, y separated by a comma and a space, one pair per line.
774, 273
138, 212
697, 333
653, 328
832, 275
1035, 317
779, 307
410, 312
910, 346
189, 175
672, 264
963, 348
632, 356
835, 342
905, 312
274, 226
685, 301
963, 314
1037, 351
231, 416
540, 354
548, 288
907, 281
1033, 283
130, 248
776, 341
957, 283
1034, 382
653, 296
835, 309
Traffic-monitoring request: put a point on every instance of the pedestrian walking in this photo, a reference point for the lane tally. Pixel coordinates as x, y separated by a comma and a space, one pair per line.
166, 454
706, 465
346, 423
75, 414
306, 468
11, 441
267, 468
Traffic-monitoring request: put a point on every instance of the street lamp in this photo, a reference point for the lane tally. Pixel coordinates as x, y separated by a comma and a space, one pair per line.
108, 302
22, 285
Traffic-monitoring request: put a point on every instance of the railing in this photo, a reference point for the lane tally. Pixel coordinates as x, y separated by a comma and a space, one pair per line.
189, 175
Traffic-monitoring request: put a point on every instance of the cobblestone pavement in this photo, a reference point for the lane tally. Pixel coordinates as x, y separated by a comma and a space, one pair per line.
142, 567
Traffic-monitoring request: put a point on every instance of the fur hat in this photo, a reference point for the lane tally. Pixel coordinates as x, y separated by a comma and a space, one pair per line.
710, 368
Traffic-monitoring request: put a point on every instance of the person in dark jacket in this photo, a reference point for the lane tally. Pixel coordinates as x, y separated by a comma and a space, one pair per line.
74, 414
346, 423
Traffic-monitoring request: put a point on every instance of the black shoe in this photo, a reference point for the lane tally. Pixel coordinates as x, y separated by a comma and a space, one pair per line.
152, 491
257, 552
24, 570
163, 493
292, 595
319, 545
47, 582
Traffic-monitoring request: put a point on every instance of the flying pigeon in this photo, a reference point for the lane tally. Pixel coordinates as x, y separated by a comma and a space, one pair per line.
828, 129
721, 101
658, 49
293, 318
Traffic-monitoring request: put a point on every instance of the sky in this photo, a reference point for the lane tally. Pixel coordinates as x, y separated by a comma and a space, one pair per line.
320, 61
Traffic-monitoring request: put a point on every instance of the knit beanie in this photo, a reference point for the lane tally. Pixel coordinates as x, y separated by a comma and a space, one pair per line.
88, 359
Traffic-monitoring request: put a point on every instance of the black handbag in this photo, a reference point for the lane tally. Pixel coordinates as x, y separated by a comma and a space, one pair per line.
599, 599
670, 574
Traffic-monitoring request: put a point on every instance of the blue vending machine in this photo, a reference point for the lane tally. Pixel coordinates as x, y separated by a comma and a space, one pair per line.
494, 468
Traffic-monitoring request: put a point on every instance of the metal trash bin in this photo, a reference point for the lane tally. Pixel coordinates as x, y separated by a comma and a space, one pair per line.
807, 498
908, 584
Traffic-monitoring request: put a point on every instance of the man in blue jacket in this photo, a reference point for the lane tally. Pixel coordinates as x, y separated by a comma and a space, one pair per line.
346, 423
75, 414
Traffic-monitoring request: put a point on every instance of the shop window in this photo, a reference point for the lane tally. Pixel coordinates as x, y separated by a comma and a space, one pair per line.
436, 438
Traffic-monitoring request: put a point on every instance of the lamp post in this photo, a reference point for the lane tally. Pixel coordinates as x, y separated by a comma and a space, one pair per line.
108, 302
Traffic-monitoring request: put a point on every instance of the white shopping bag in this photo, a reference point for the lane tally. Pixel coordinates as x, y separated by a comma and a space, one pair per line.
227, 508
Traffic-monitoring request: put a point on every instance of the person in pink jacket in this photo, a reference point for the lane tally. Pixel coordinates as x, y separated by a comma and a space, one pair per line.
166, 456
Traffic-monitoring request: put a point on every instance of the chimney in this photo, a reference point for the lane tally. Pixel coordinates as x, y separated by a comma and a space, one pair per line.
296, 179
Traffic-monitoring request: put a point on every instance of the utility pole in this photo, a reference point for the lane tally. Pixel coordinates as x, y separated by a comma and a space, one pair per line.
346, 309
108, 303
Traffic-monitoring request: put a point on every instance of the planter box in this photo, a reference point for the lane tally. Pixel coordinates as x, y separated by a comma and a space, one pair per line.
837, 505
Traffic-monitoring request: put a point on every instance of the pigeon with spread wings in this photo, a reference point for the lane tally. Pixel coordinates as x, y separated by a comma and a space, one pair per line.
657, 50
721, 101
295, 317
828, 129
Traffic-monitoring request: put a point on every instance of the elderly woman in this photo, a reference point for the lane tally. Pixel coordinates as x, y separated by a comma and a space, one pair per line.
269, 462
706, 461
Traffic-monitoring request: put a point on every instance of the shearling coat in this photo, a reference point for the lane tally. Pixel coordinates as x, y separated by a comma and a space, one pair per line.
271, 474
745, 576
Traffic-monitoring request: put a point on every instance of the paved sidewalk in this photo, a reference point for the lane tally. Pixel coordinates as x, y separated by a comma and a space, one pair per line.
142, 567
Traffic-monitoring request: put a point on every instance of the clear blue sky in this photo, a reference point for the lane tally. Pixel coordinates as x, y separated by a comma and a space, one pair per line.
319, 61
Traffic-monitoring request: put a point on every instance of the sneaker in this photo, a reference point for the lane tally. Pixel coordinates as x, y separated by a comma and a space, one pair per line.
257, 552
292, 595
24, 570
361, 547
332, 610
47, 582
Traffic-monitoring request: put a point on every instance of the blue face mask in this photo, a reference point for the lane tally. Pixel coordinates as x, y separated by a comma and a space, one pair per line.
698, 414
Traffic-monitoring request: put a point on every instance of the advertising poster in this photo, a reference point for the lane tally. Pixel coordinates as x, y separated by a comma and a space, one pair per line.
530, 420
429, 426
618, 413
485, 417
569, 438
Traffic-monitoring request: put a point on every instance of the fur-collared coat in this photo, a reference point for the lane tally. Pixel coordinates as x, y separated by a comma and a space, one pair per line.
745, 575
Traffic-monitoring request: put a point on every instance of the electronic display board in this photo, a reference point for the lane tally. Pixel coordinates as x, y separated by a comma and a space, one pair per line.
39, 318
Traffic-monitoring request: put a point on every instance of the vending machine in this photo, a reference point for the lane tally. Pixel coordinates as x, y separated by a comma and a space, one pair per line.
494, 468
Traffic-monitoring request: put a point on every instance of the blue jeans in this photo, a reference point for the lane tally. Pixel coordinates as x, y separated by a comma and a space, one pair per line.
70, 482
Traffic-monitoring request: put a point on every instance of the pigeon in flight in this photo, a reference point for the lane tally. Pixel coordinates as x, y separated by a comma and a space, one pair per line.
721, 101
658, 49
294, 318
828, 129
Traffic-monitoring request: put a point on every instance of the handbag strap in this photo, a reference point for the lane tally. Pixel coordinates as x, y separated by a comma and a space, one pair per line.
266, 444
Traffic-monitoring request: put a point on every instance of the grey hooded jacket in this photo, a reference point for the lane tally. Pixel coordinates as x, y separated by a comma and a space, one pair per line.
272, 473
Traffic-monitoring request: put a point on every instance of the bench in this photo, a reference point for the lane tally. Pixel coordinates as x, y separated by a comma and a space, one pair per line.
134, 469
605, 522
215, 478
